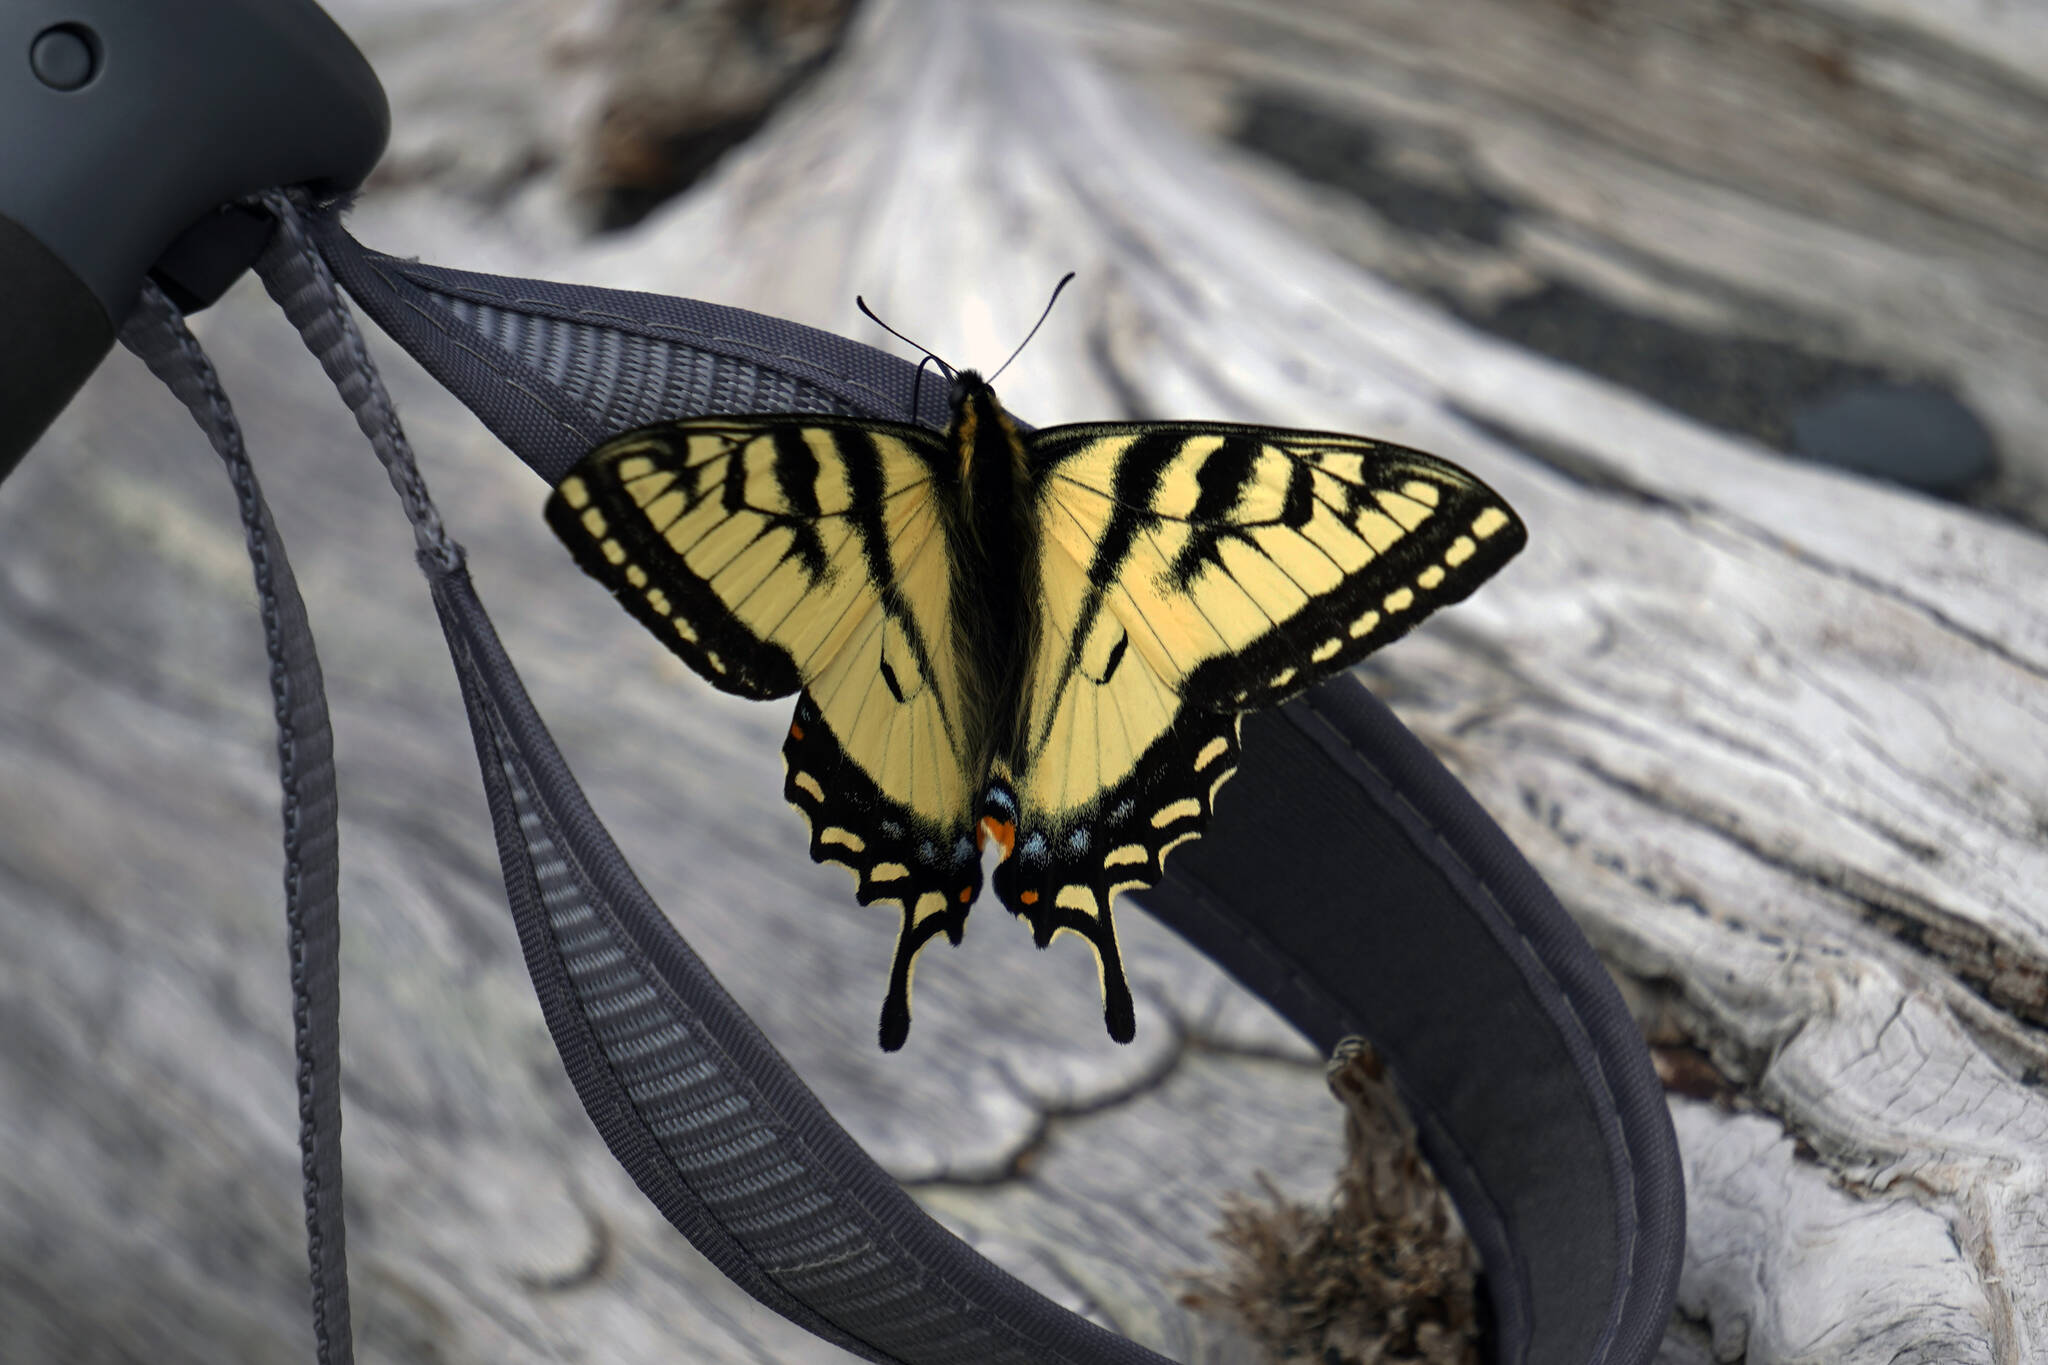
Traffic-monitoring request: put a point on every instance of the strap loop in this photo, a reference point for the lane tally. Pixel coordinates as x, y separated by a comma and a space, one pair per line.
156, 332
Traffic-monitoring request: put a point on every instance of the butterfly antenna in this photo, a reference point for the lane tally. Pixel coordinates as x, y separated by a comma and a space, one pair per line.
1034, 326
917, 380
862, 304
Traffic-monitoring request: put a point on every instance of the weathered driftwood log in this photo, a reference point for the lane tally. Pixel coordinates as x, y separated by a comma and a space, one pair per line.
1770, 216
1775, 735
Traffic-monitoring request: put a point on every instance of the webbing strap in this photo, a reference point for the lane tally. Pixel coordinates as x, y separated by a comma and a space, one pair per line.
156, 332
708, 1119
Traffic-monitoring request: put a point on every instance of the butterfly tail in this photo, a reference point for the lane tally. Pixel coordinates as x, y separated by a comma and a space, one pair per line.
895, 1025
1027, 892
933, 874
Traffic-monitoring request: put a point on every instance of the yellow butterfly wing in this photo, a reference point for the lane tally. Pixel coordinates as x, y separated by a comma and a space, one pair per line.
1190, 572
808, 553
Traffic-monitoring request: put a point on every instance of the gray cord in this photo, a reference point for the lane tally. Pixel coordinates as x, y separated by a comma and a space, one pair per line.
300, 281
156, 332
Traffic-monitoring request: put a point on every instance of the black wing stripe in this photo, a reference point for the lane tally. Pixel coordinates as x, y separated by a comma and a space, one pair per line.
1137, 478
1222, 477
865, 477
1137, 618
849, 557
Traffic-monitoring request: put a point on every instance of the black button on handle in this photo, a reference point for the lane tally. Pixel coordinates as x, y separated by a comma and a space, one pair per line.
64, 56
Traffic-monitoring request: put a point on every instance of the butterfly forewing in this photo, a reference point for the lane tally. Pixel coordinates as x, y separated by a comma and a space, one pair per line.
1247, 563
640, 514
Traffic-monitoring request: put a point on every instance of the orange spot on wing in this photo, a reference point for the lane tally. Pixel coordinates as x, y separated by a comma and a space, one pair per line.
1028, 897
1002, 832
795, 731
966, 894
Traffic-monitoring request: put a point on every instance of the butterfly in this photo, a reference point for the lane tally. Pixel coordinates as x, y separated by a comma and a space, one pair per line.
1036, 640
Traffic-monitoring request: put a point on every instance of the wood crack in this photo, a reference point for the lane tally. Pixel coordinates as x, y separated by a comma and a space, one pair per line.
2004, 974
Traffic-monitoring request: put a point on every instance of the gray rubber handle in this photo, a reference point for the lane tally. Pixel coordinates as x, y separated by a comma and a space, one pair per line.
125, 126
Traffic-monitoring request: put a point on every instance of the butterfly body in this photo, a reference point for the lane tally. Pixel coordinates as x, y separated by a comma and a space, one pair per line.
1039, 641
994, 531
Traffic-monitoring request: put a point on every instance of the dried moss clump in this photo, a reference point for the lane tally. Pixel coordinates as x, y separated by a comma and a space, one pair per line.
1385, 1274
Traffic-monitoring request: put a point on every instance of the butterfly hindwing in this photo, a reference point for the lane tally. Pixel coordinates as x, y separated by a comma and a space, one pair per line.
1065, 871
778, 554
930, 869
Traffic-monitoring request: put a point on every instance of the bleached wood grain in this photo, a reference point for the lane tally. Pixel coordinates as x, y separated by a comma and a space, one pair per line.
1774, 735
1857, 179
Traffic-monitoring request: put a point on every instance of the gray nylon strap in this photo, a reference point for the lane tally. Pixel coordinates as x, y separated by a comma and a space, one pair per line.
706, 1116
553, 369
298, 278
156, 332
